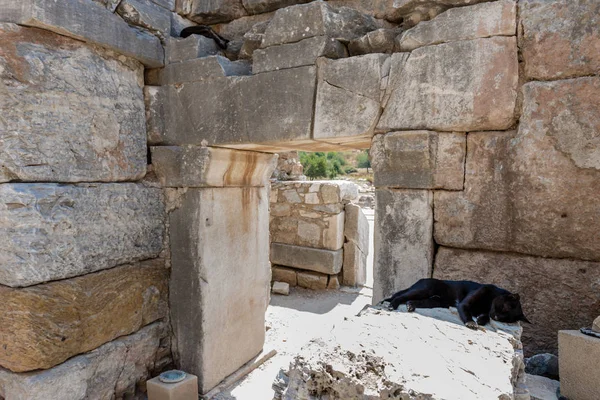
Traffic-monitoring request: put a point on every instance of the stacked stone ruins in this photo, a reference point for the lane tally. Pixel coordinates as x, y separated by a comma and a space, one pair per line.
319, 240
135, 165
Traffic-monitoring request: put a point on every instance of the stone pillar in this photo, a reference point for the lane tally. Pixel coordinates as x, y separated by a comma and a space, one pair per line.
219, 241
407, 167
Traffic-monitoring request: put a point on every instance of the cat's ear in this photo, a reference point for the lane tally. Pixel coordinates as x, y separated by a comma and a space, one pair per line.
515, 296
524, 319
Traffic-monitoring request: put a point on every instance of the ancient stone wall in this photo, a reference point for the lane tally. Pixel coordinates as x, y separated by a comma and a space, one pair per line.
319, 239
482, 119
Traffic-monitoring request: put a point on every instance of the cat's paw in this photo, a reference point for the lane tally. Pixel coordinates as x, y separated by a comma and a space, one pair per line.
410, 307
471, 325
483, 320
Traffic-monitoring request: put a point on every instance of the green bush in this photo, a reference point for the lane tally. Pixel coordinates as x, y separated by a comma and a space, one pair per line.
322, 165
350, 169
363, 160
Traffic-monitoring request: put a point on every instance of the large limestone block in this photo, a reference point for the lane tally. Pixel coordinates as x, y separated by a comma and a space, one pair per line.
155, 100
318, 260
536, 191
411, 12
354, 270
556, 294
211, 11
263, 6
268, 107
560, 39
283, 274
194, 166
117, 369
88, 21
219, 243
497, 18
479, 94
348, 96
290, 55
59, 125
46, 324
388, 355
308, 228
578, 360
403, 240
356, 227
147, 15
419, 160
292, 24
189, 48
312, 280
59, 231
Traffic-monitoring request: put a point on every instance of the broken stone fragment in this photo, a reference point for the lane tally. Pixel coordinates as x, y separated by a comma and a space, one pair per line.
281, 288
210, 12
353, 362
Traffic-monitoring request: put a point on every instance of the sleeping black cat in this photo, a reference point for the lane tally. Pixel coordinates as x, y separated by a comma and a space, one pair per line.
471, 299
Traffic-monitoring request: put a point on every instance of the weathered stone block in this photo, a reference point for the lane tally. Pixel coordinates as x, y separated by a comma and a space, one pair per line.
59, 231
197, 70
596, 325
334, 282
318, 260
60, 125
281, 288
380, 355
419, 160
377, 41
146, 14
560, 39
480, 93
154, 104
76, 315
498, 18
403, 240
88, 21
168, 4
356, 227
210, 12
578, 356
354, 270
312, 280
534, 192
114, 370
556, 294
411, 12
282, 274
194, 46
290, 55
219, 243
263, 6
284, 112
348, 106
194, 166
187, 389
292, 24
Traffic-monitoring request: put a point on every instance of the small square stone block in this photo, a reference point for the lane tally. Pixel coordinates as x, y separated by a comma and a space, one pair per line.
187, 389
579, 365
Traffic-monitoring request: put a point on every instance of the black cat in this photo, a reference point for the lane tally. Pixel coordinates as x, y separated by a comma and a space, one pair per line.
205, 31
470, 298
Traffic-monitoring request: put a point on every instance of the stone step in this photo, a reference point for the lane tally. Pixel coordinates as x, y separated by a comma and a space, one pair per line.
307, 258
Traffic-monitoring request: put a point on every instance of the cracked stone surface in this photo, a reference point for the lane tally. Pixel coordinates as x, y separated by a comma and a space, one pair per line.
428, 354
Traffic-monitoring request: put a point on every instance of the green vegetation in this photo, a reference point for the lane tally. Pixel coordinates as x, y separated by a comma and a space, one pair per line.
321, 165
